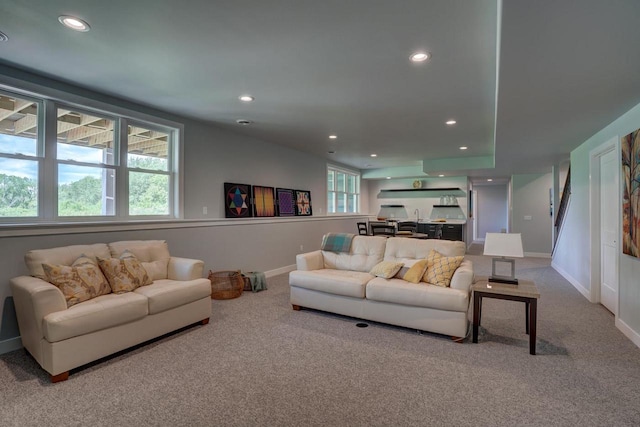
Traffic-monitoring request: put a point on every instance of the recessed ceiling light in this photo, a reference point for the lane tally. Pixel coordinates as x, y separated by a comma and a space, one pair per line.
243, 122
420, 56
441, 175
489, 180
333, 136
388, 177
463, 148
246, 98
450, 122
374, 155
74, 23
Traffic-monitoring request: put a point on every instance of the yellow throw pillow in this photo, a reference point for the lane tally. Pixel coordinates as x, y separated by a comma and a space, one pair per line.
386, 269
125, 273
431, 257
79, 282
442, 269
415, 273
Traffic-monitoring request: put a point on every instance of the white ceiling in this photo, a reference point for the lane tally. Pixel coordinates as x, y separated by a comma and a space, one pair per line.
566, 69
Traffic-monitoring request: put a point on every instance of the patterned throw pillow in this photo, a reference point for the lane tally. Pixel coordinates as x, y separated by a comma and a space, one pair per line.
79, 282
125, 273
415, 273
440, 269
431, 257
386, 269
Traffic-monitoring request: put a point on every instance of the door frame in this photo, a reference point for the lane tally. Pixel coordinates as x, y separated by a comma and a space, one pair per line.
594, 216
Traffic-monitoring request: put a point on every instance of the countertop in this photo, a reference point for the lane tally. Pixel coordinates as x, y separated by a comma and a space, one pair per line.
448, 221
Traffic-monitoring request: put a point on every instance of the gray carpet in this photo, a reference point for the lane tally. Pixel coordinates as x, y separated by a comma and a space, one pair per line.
259, 363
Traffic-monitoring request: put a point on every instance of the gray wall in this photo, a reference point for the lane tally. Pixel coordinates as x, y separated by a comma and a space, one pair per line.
492, 209
530, 214
211, 157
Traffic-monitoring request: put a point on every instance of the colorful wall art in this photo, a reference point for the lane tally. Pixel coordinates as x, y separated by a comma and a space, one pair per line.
630, 146
303, 203
237, 200
263, 201
285, 202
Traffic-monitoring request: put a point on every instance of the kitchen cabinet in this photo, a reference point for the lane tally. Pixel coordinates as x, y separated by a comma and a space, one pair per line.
442, 231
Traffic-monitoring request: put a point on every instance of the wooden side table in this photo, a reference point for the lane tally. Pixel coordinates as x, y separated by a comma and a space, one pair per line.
526, 291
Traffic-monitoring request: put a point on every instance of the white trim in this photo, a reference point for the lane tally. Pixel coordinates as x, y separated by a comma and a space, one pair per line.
281, 270
75, 228
628, 332
10, 344
537, 254
585, 292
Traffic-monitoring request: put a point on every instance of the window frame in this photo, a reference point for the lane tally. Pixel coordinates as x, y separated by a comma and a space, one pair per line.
336, 193
48, 164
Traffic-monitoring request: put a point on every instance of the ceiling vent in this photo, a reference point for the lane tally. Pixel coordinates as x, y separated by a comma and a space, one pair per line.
3, 37
243, 122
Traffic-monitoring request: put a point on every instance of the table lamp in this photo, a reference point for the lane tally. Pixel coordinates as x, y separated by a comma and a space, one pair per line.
503, 245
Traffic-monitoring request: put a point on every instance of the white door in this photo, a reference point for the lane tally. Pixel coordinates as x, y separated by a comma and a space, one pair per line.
609, 201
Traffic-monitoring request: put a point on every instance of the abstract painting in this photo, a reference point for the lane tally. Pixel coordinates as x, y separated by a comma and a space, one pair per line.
237, 200
285, 202
303, 203
630, 146
263, 201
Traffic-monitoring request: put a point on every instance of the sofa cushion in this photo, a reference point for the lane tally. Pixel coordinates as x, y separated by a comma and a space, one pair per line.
166, 294
366, 252
153, 254
125, 273
65, 255
386, 269
337, 282
93, 315
399, 291
79, 282
402, 249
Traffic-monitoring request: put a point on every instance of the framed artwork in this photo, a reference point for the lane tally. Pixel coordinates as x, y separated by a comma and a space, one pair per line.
303, 203
263, 201
630, 147
285, 202
237, 200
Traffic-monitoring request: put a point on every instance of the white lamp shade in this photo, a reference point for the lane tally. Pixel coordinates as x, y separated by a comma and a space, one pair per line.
503, 244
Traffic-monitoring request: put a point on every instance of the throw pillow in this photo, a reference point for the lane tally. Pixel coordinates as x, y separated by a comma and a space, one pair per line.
432, 256
125, 273
442, 269
415, 273
386, 269
78, 282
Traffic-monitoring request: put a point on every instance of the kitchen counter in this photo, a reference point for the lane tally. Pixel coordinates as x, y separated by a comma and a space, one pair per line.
448, 221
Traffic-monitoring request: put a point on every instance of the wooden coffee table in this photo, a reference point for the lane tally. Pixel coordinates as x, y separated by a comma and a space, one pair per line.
526, 291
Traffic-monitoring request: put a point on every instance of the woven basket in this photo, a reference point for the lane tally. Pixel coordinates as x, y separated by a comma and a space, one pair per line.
226, 284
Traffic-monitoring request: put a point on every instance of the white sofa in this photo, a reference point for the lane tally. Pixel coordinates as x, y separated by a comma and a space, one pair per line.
61, 338
341, 283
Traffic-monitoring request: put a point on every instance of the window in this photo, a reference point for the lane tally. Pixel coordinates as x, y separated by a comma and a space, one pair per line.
92, 165
343, 191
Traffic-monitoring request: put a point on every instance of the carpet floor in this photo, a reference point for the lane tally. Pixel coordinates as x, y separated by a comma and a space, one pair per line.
259, 363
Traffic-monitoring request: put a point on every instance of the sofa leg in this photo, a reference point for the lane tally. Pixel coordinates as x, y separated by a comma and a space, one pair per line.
204, 321
60, 377
457, 339
296, 307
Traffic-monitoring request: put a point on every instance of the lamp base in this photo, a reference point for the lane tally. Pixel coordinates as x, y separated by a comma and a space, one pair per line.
502, 279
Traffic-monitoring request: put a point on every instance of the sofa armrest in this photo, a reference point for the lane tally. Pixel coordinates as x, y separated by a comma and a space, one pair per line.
185, 268
310, 261
34, 299
463, 277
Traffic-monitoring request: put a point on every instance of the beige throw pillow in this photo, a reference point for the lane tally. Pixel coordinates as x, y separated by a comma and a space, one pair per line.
386, 269
125, 273
78, 282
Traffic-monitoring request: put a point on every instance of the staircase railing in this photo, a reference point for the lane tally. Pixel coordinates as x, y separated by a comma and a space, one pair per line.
562, 209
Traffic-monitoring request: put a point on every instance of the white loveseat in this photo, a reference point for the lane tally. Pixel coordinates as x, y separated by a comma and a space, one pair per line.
61, 338
341, 283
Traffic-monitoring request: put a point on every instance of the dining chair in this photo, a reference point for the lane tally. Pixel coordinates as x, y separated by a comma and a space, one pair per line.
411, 226
362, 228
383, 230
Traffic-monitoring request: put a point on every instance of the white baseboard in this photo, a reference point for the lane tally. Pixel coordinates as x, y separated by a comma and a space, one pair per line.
537, 254
281, 270
584, 291
628, 332
10, 345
